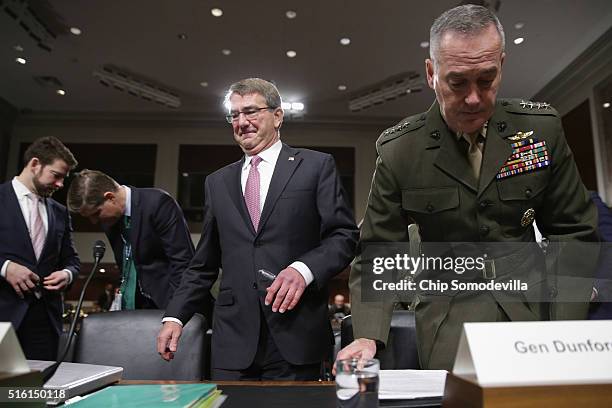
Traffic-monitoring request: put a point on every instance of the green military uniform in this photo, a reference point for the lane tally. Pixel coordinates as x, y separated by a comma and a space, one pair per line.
423, 176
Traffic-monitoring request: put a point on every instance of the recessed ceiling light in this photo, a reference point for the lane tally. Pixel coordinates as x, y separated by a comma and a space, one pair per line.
18, 48
225, 51
75, 30
102, 270
606, 105
297, 106
291, 54
424, 44
519, 25
519, 40
345, 41
342, 87
217, 12
182, 36
185, 174
291, 14
204, 84
286, 105
60, 92
21, 60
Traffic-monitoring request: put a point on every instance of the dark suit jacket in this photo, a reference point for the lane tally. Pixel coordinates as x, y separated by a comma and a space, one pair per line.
16, 245
161, 244
305, 218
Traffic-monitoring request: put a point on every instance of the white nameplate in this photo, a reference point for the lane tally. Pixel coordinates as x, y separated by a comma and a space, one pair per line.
13, 361
536, 353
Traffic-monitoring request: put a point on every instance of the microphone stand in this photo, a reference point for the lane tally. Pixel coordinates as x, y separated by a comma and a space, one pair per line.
49, 371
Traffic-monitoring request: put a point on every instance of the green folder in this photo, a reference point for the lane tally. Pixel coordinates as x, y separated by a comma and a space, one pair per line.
149, 396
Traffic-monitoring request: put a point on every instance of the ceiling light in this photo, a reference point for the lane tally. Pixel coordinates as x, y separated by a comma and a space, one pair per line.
185, 174
225, 51
75, 30
20, 60
102, 270
388, 90
286, 105
291, 14
519, 25
519, 40
345, 41
606, 105
204, 84
342, 87
297, 106
18, 48
291, 54
217, 12
424, 44
60, 92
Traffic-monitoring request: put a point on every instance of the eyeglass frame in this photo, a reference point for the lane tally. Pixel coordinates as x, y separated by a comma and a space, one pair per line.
250, 114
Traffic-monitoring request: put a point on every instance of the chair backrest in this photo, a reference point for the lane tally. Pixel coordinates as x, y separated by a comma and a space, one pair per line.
128, 339
401, 350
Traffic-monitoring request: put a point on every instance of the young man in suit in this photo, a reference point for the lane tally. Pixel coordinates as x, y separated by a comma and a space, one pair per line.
147, 231
278, 209
37, 255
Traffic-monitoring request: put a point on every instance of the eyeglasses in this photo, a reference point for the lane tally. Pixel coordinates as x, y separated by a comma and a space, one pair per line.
250, 114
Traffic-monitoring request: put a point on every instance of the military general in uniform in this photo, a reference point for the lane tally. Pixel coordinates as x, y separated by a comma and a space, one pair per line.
471, 169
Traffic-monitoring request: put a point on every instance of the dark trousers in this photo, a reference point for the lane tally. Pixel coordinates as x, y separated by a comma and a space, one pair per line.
269, 364
37, 336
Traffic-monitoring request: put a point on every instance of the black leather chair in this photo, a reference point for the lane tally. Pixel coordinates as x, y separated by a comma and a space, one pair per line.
401, 351
128, 339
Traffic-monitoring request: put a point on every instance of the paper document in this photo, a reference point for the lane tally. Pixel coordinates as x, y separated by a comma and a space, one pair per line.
410, 384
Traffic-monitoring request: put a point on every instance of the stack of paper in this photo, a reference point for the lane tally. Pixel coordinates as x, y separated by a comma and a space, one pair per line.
149, 396
410, 384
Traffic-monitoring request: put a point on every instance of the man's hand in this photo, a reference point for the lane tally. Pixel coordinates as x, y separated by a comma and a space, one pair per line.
363, 349
21, 278
167, 340
58, 280
288, 288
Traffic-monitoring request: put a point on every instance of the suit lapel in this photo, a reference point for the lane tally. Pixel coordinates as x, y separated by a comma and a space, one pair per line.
234, 188
450, 159
135, 217
50, 238
286, 164
14, 208
497, 149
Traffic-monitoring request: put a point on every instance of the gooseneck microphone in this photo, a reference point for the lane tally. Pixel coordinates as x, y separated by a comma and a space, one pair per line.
98, 253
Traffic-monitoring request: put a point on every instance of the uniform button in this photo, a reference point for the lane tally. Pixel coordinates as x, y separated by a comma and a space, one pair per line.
257, 244
505, 103
254, 285
429, 207
553, 292
484, 204
484, 230
435, 135
528, 193
501, 126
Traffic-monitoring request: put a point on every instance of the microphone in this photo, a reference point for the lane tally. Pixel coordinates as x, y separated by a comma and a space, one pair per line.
98, 253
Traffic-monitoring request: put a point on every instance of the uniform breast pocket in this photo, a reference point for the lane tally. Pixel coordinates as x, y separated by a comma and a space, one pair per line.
520, 197
429, 207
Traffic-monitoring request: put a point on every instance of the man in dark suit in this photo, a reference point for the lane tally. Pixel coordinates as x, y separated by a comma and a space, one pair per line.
278, 209
147, 231
37, 256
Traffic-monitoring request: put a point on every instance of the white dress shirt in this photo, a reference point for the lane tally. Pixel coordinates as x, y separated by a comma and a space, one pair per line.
25, 203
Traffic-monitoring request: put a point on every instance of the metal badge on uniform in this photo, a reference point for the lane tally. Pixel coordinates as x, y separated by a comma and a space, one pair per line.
528, 154
528, 217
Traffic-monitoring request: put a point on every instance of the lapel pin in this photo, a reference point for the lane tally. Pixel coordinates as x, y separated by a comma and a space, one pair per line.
528, 217
291, 158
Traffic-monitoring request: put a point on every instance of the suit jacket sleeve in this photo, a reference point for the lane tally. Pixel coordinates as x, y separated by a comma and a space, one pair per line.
69, 258
383, 222
171, 228
338, 230
203, 269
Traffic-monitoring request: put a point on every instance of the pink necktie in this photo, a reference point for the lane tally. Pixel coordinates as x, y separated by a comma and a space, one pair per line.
37, 228
251, 192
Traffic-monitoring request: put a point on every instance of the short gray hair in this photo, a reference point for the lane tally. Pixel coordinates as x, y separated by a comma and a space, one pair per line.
255, 85
468, 19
